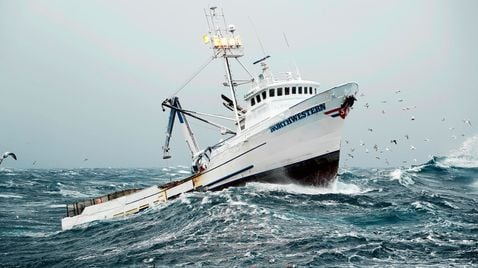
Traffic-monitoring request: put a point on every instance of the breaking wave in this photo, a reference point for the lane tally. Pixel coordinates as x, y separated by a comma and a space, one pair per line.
418, 216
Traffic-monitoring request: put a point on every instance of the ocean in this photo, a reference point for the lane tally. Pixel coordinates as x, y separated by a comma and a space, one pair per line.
425, 215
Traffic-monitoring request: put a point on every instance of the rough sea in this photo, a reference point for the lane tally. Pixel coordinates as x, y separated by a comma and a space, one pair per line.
424, 215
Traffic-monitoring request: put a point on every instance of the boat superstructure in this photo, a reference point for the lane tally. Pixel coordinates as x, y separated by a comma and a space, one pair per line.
285, 130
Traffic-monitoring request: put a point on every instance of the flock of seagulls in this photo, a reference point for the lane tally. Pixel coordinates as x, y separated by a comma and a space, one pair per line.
378, 151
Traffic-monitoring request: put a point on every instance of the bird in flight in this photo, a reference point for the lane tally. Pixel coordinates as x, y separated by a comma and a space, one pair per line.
7, 154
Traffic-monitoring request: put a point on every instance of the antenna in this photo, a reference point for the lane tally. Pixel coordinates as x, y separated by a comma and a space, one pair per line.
257, 36
293, 58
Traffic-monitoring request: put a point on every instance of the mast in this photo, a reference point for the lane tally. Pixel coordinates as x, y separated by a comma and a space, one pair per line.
225, 44
233, 93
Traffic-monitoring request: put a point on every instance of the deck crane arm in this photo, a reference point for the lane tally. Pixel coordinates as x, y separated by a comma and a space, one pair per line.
175, 106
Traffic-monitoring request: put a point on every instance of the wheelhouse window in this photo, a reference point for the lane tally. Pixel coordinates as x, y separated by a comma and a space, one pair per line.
315, 90
279, 91
258, 98
264, 95
300, 90
286, 91
294, 90
253, 102
310, 90
271, 92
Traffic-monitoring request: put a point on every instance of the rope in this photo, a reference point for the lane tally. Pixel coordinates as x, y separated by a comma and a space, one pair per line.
194, 75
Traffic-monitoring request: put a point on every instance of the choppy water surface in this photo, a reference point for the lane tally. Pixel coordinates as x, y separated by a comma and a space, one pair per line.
424, 215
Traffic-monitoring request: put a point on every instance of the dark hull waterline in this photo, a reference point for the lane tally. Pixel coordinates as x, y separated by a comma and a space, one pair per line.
317, 171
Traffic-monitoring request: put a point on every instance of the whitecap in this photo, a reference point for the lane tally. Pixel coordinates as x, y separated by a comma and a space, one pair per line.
57, 206
466, 156
335, 188
72, 193
401, 177
10, 196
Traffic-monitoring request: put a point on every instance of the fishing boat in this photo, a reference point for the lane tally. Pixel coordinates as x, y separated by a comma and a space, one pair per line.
284, 130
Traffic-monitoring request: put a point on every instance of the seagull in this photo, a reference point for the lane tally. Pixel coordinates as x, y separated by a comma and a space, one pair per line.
350, 155
377, 157
384, 101
427, 140
383, 111
362, 143
467, 122
7, 154
366, 150
398, 91
387, 149
375, 147
370, 129
34, 162
366, 105
451, 128
352, 150
86, 159
393, 141
443, 119
346, 141
412, 147
413, 118
406, 136
400, 100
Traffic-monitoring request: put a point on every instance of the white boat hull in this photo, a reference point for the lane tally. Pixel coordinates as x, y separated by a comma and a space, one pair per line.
301, 145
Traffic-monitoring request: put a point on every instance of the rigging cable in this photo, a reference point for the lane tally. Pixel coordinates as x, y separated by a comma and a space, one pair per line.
194, 75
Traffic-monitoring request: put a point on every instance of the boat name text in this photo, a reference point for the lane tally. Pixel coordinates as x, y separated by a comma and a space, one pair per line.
298, 116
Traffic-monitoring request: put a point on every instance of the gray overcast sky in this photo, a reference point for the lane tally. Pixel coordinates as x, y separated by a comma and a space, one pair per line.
85, 79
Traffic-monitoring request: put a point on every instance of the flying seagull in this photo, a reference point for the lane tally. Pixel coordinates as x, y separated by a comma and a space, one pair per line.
393, 141
467, 122
7, 154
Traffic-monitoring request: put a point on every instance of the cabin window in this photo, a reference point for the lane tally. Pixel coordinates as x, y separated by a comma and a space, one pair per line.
279, 91
264, 95
315, 90
294, 90
258, 98
271, 92
286, 91
310, 90
253, 102
300, 90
